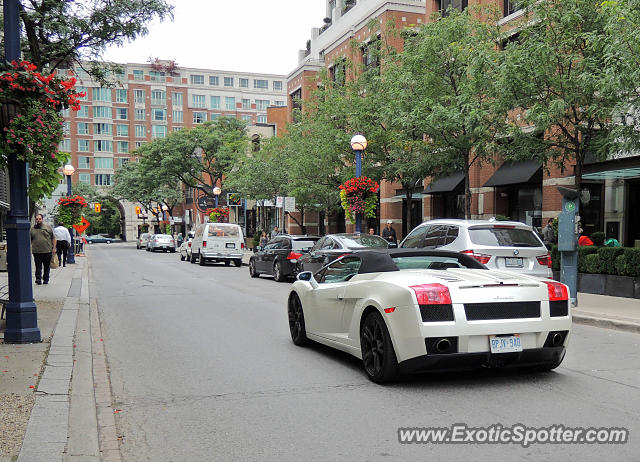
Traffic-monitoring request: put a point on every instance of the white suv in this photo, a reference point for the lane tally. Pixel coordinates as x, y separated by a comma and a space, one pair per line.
501, 245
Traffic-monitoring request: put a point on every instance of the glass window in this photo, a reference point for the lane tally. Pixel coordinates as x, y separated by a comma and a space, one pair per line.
427, 262
230, 103
102, 146
363, 241
504, 236
119, 74
66, 128
140, 143
176, 129
452, 235
244, 83
199, 117
102, 112
223, 230
279, 103
141, 131
213, 116
262, 119
277, 85
341, 271
178, 116
159, 97
103, 162
138, 96
176, 99
301, 245
262, 104
83, 146
198, 101
435, 236
102, 129
123, 147
246, 117
121, 95
141, 114
83, 161
84, 178
215, 102
64, 112
158, 114
83, 112
158, 131
246, 104
101, 94
261, 84
197, 79
138, 74
103, 179
122, 113
122, 161
83, 128
122, 130
156, 76
228, 81
415, 238
214, 80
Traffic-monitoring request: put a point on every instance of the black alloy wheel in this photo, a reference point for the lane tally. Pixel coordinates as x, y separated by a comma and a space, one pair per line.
201, 260
238, 263
252, 269
296, 321
277, 272
378, 356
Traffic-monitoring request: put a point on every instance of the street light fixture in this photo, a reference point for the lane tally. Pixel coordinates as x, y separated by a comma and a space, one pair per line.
217, 191
68, 171
358, 144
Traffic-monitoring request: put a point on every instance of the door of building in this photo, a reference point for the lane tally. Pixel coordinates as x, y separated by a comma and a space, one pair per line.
631, 213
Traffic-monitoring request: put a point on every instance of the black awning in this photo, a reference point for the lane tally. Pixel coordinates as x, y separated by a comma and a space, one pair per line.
445, 184
514, 173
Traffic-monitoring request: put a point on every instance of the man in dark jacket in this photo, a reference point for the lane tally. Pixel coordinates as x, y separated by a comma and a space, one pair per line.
389, 233
42, 244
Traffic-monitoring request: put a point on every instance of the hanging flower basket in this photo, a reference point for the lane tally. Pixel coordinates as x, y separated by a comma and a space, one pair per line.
70, 210
218, 214
359, 195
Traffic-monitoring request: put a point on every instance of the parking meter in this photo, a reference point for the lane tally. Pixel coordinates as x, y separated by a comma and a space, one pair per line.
568, 233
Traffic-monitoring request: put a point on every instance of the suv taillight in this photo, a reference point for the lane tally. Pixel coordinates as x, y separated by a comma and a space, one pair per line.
242, 245
557, 291
432, 294
204, 243
544, 260
293, 255
482, 258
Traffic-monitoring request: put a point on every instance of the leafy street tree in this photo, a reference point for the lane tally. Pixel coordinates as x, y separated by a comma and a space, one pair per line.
132, 184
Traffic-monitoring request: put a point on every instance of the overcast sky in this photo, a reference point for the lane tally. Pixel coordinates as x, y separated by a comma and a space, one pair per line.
237, 35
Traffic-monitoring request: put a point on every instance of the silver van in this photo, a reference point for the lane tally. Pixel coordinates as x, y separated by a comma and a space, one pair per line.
217, 242
501, 245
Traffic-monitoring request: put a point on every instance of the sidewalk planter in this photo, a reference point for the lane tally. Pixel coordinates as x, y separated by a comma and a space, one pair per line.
606, 284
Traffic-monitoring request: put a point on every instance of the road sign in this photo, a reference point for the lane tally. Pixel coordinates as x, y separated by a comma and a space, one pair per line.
205, 202
81, 228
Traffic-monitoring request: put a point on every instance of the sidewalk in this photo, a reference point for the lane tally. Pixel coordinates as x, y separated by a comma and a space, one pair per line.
610, 312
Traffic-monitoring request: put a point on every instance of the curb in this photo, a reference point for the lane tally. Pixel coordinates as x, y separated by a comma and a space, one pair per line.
607, 323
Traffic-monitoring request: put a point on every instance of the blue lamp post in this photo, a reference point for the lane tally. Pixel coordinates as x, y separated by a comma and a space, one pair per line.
71, 253
358, 144
22, 313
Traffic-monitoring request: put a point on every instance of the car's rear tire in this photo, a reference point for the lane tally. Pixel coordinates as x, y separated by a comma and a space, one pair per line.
296, 321
201, 260
252, 270
277, 272
238, 263
378, 356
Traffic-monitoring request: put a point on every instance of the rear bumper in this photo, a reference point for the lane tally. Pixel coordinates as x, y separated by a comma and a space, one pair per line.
221, 255
547, 356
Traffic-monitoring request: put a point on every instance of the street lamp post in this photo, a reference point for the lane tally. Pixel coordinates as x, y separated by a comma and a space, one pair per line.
358, 144
71, 253
22, 313
216, 192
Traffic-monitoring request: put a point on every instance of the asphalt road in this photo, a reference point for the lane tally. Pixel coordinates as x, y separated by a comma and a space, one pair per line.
203, 368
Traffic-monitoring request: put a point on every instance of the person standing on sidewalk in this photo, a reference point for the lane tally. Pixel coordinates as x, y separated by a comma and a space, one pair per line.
389, 233
42, 244
63, 242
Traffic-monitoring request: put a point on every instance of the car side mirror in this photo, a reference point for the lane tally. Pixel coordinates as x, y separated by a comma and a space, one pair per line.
307, 276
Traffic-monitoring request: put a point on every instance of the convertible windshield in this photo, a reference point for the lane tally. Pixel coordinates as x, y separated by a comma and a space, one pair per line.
427, 262
364, 241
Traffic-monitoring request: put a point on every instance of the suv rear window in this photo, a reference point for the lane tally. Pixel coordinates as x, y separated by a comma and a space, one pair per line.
302, 245
223, 230
498, 236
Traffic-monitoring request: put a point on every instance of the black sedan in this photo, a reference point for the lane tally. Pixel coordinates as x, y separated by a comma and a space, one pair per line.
99, 239
332, 246
280, 256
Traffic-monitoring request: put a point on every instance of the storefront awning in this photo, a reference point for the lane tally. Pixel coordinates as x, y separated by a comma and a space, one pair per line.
445, 184
416, 193
514, 173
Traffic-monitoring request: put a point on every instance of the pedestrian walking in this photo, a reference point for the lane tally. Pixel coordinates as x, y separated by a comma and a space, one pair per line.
63, 243
389, 233
180, 239
42, 244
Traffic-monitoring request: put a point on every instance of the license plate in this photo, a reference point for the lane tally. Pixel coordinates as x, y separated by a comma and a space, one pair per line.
231, 245
505, 344
513, 262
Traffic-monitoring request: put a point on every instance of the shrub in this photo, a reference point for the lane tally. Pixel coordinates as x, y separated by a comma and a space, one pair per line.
555, 257
593, 264
598, 238
632, 261
621, 265
608, 256
582, 253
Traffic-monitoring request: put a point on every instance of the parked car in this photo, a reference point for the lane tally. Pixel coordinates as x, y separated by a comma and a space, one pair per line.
407, 310
331, 246
185, 247
141, 242
279, 258
501, 245
98, 239
164, 242
217, 242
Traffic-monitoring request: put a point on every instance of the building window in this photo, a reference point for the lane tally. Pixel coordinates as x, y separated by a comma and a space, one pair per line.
66, 128
244, 83
228, 81
247, 118
262, 104
83, 112
102, 112
103, 162
83, 128
176, 129
83, 161
102, 129
138, 74
122, 130
214, 80
279, 103
198, 101
277, 85
64, 112
156, 76
84, 178
261, 84
457, 4
246, 104
158, 97
81, 89
159, 115
199, 117
197, 79
141, 114
122, 161
178, 116
83, 146
121, 95
123, 147
158, 131
140, 143
230, 103
101, 94
213, 116
262, 119
103, 179
511, 6
215, 102
122, 113
337, 72
102, 146
371, 54
176, 99
141, 131
138, 96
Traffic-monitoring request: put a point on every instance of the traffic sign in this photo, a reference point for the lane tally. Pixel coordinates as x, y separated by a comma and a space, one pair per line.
97, 207
81, 228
